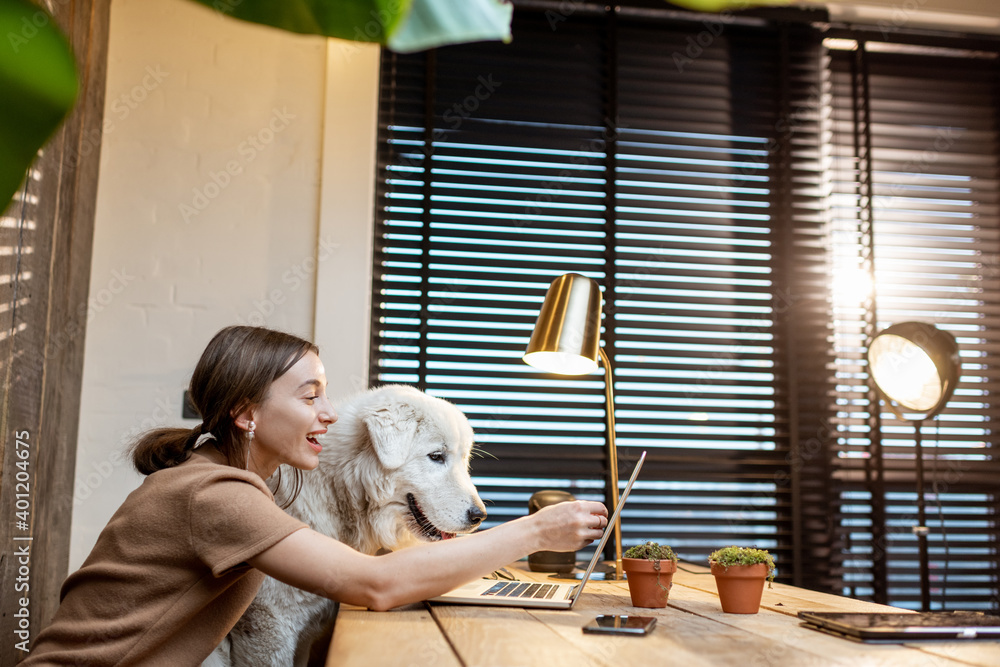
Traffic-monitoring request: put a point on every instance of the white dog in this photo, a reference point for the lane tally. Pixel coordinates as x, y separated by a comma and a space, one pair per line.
394, 470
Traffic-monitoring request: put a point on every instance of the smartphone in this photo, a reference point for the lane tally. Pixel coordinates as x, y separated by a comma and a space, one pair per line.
620, 625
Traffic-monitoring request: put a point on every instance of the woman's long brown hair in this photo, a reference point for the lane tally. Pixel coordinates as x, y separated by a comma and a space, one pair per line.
234, 373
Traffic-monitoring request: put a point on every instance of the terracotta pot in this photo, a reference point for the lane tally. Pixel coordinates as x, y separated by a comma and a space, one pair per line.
740, 587
649, 581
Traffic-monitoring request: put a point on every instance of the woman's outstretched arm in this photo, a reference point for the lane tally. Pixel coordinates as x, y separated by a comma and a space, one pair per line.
319, 564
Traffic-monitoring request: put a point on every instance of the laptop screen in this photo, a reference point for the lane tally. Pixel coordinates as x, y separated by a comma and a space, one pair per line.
611, 527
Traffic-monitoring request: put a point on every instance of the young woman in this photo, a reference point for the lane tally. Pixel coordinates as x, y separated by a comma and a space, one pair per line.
183, 557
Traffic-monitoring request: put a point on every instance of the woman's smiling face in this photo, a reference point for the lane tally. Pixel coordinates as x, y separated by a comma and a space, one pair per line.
295, 411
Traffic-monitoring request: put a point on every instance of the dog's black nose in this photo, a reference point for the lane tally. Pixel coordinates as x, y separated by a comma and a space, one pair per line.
475, 516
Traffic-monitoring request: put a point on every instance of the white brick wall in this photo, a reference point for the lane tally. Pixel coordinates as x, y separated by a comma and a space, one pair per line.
208, 214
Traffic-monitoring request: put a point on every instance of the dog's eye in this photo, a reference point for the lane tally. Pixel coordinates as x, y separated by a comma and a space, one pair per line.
437, 457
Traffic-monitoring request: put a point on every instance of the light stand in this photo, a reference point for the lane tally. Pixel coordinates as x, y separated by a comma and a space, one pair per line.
921, 530
566, 340
915, 367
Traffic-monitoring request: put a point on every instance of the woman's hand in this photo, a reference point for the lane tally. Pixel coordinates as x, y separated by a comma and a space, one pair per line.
569, 526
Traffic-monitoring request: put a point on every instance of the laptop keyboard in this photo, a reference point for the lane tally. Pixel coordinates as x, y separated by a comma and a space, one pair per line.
520, 589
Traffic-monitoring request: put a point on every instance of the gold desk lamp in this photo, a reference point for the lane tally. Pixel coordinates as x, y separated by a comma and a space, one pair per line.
566, 340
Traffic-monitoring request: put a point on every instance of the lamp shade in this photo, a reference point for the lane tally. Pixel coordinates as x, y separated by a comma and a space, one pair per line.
915, 366
567, 333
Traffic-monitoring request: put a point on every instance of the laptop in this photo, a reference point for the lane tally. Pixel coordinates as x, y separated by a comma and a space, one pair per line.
513, 593
890, 627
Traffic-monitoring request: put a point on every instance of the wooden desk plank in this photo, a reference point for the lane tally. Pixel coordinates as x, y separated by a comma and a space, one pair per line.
777, 641
981, 654
692, 631
684, 635
757, 639
790, 600
408, 636
500, 637
666, 645
678, 638
787, 638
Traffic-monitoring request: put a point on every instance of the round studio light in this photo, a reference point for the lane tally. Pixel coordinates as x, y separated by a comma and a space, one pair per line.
915, 366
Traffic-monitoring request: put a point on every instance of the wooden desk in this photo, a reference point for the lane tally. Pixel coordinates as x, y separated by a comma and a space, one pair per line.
691, 631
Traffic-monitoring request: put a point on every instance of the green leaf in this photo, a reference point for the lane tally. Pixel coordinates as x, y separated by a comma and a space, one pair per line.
38, 82
358, 20
432, 23
404, 25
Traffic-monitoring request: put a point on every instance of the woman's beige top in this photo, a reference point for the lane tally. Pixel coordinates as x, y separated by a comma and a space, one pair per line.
168, 576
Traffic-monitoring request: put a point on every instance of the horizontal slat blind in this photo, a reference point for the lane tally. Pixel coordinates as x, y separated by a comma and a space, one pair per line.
691, 299
17, 229
714, 183
935, 225
594, 150
20, 243
495, 184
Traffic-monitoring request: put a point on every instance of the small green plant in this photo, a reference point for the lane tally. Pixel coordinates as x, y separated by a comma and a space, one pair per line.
730, 556
653, 552
650, 551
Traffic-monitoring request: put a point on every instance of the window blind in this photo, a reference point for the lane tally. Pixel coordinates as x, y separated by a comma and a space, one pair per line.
700, 168
18, 232
914, 209
589, 147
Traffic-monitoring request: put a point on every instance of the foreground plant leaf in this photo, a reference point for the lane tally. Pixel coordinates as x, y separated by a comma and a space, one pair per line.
402, 25
38, 84
433, 22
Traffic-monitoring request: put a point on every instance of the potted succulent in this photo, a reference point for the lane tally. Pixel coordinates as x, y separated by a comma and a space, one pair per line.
649, 569
740, 573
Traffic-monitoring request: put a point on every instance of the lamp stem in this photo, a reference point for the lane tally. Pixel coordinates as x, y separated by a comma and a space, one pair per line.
612, 458
921, 528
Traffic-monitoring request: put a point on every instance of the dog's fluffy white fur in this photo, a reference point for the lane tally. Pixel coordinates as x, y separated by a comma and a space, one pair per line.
394, 470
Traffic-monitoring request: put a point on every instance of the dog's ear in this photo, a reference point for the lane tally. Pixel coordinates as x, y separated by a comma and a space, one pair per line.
391, 429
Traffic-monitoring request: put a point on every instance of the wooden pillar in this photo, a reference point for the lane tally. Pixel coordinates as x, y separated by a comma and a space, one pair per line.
46, 239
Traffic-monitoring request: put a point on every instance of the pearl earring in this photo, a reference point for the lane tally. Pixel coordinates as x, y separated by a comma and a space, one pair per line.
251, 427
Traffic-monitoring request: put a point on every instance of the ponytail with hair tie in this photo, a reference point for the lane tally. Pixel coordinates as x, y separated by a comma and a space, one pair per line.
196, 433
